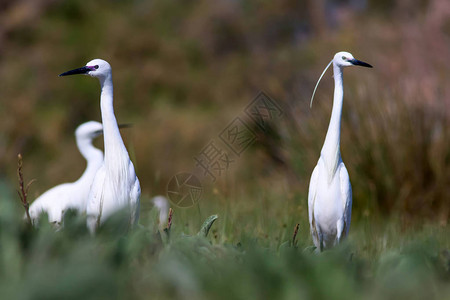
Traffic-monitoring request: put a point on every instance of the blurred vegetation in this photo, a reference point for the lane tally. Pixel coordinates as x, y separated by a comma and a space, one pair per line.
377, 262
182, 71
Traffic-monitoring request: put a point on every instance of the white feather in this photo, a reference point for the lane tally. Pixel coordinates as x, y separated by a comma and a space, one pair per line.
330, 191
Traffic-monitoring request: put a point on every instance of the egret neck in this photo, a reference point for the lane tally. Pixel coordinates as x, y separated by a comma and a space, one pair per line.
331, 147
92, 155
112, 139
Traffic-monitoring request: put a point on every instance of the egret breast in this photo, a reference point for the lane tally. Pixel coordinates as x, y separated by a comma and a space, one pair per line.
328, 206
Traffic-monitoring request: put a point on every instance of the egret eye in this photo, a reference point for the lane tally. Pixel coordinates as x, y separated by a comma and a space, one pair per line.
344, 58
96, 67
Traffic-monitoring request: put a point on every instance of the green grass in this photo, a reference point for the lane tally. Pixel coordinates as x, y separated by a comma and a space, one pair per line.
242, 257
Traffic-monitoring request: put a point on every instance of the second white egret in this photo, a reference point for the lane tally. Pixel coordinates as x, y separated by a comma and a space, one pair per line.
162, 205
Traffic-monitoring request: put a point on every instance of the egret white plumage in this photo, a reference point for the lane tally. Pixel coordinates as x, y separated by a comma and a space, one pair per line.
162, 205
330, 191
115, 185
72, 195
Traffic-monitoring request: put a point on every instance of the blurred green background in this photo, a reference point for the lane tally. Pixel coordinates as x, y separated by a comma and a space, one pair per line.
182, 71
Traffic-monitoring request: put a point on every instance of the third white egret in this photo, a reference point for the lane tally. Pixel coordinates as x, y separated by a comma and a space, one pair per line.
162, 205
72, 195
330, 191
115, 185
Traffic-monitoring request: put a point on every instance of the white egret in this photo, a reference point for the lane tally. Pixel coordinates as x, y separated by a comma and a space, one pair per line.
72, 195
330, 191
115, 185
162, 205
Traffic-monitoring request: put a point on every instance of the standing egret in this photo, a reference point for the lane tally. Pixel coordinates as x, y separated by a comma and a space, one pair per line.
115, 185
72, 195
162, 205
330, 191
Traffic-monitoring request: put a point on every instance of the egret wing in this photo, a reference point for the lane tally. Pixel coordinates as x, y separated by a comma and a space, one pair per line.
96, 195
135, 195
311, 201
52, 202
346, 197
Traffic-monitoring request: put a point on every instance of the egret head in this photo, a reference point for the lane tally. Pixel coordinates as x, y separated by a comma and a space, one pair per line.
160, 202
341, 59
89, 130
346, 59
96, 68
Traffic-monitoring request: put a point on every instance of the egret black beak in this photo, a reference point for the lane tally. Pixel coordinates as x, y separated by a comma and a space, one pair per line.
97, 133
356, 62
126, 125
82, 70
